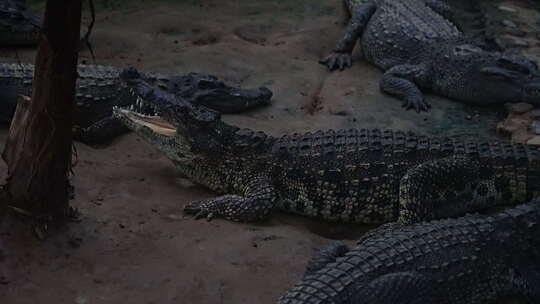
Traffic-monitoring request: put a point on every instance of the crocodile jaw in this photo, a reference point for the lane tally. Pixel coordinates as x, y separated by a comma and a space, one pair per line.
159, 133
155, 123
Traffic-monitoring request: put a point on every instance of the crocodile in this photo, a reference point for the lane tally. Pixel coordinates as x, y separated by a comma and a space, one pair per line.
97, 94
18, 25
357, 175
420, 49
477, 258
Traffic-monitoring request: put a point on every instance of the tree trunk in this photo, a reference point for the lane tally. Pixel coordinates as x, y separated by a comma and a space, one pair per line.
39, 147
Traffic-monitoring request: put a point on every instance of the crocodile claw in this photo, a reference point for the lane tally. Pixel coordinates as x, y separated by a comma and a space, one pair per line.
337, 60
197, 208
201, 209
419, 104
204, 213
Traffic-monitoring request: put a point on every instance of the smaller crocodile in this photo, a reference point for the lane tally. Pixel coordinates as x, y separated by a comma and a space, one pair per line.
420, 49
468, 260
357, 176
97, 93
18, 25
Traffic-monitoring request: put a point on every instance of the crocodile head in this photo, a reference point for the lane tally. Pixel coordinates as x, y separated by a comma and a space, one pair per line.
511, 78
497, 78
193, 137
18, 25
186, 133
209, 91
158, 117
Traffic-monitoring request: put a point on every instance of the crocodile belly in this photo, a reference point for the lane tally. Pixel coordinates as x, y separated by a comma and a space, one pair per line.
373, 205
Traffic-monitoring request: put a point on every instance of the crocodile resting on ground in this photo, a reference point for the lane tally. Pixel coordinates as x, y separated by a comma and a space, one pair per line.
18, 25
468, 260
97, 93
360, 176
419, 48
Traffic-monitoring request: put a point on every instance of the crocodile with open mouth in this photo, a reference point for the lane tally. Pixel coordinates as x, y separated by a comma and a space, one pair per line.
359, 176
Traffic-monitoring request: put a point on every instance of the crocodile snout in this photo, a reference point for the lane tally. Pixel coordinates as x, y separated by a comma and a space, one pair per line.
265, 94
260, 96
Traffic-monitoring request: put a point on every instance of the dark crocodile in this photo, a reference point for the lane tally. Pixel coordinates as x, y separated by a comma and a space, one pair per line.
97, 93
360, 176
468, 260
18, 25
420, 49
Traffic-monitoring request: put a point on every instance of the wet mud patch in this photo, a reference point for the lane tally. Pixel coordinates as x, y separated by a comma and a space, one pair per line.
175, 27
254, 33
205, 38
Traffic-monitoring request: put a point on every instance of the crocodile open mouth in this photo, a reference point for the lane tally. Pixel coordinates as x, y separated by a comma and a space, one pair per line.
143, 115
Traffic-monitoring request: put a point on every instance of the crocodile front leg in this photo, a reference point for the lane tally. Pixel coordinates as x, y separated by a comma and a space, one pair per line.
256, 203
402, 81
450, 186
101, 131
341, 55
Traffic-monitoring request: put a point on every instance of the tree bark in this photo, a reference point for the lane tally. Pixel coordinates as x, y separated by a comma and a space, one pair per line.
39, 148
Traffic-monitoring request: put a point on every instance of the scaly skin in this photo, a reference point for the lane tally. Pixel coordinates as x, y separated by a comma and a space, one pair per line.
358, 176
97, 93
469, 260
420, 49
18, 25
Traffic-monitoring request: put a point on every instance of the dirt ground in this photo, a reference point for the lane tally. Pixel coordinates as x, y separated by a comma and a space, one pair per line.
133, 244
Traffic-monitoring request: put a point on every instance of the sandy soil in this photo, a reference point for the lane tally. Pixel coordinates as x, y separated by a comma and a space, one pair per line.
133, 244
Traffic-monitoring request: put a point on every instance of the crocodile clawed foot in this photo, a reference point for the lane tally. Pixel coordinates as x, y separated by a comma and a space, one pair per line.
418, 104
200, 209
221, 206
204, 213
337, 60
